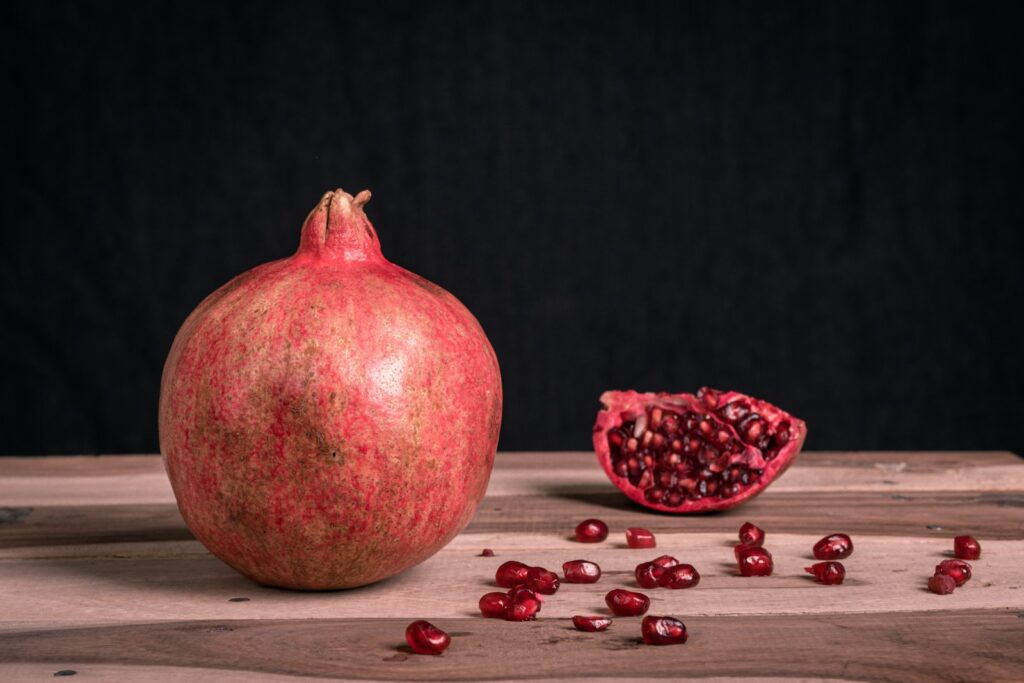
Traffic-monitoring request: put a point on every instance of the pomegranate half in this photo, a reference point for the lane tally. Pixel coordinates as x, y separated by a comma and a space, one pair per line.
329, 419
694, 453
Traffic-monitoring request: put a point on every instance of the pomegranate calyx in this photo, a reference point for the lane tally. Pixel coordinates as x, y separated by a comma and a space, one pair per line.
337, 228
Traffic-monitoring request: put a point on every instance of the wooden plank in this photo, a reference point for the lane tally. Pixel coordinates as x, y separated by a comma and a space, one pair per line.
903, 648
884, 575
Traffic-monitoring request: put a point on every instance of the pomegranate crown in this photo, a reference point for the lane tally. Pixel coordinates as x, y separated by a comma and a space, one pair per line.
338, 228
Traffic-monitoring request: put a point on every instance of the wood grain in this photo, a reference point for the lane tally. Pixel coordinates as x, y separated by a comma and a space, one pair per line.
98, 574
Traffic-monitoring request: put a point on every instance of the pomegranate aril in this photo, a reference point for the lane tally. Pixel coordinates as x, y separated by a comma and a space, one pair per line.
487, 552
958, 570
495, 605
511, 574
525, 604
663, 631
647, 574
542, 581
581, 571
591, 624
637, 537
625, 603
833, 547
426, 639
828, 573
755, 562
665, 561
941, 584
751, 535
591, 531
679, 576
734, 411
966, 548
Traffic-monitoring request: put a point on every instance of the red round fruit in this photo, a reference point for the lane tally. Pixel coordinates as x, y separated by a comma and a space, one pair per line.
966, 548
591, 531
679, 576
833, 547
648, 574
828, 573
426, 639
755, 562
693, 453
663, 631
637, 537
581, 571
751, 535
625, 603
329, 419
958, 570
495, 605
542, 581
591, 624
511, 574
524, 604
941, 584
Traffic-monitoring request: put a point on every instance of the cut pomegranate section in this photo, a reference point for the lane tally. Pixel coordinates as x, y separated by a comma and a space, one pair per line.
426, 639
663, 631
591, 624
966, 548
640, 538
581, 571
693, 453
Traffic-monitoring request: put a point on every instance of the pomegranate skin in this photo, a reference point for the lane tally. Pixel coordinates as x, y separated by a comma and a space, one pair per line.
329, 419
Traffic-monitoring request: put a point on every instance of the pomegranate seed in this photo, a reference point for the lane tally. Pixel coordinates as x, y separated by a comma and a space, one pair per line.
679, 576
639, 538
966, 548
625, 603
739, 549
525, 604
828, 573
426, 639
648, 574
511, 574
709, 396
663, 631
542, 581
958, 570
941, 584
751, 535
591, 531
590, 624
755, 562
487, 552
495, 605
833, 547
581, 571
665, 561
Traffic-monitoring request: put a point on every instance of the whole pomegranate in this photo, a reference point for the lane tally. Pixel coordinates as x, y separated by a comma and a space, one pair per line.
694, 453
329, 419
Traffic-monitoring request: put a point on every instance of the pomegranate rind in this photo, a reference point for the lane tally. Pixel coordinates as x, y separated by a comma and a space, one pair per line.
618, 402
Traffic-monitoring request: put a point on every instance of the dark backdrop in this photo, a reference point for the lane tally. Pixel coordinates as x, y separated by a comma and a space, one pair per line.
818, 203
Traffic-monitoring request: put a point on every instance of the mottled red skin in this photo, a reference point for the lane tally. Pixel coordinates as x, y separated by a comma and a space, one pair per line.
329, 419
617, 402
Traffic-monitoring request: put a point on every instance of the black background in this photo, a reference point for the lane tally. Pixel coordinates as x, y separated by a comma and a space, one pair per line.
817, 203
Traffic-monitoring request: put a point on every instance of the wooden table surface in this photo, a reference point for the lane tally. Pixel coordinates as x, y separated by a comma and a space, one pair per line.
100, 577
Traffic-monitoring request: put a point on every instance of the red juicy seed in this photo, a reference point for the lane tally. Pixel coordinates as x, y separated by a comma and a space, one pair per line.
751, 535
966, 548
833, 547
511, 574
487, 552
941, 584
625, 603
591, 624
958, 570
591, 531
525, 605
665, 561
828, 573
581, 571
647, 574
426, 639
495, 605
639, 538
709, 397
755, 562
663, 631
734, 411
680, 576
542, 581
